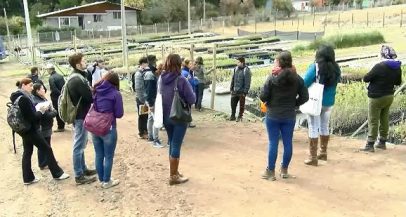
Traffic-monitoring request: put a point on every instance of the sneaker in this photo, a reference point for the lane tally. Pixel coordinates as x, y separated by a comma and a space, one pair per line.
84, 180
157, 144
269, 175
32, 182
63, 176
90, 172
232, 118
111, 183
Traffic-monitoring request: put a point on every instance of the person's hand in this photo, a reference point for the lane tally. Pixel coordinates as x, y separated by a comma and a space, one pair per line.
43, 109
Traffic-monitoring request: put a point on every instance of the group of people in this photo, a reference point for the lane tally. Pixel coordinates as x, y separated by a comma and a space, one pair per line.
284, 90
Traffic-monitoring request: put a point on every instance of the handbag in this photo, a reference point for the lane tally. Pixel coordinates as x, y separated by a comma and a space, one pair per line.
96, 122
158, 110
314, 104
181, 112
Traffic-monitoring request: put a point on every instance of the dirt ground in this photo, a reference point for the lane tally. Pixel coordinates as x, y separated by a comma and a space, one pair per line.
224, 161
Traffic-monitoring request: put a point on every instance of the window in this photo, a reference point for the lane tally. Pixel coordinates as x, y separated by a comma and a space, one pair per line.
97, 18
64, 22
117, 15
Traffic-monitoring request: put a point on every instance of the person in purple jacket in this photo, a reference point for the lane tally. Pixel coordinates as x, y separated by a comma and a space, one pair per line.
107, 98
176, 131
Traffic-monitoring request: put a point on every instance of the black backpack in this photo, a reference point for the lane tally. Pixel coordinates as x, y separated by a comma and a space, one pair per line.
16, 120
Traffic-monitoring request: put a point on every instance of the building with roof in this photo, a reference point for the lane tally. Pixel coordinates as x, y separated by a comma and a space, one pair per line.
102, 15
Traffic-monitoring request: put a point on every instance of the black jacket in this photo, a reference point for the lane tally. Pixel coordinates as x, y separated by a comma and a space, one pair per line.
150, 87
35, 79
27, 109
56, 82
79, 87
283, 93
47, 119
383, 77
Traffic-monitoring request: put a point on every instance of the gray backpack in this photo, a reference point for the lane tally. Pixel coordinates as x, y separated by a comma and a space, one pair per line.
16, 120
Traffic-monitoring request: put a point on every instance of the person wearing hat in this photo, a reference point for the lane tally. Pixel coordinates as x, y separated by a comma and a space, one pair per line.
56, 82
382, 78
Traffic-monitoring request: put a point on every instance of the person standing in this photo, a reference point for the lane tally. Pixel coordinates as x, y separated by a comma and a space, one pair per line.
46, 121
327, 72
81, 96
34, 76
23, 99
240, 85
200, 73
189, 75
176, 131
139, 88
56, 82
382, 78
107, 99
283, 91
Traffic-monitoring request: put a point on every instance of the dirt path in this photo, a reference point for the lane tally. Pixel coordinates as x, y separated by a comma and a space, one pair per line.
224, 161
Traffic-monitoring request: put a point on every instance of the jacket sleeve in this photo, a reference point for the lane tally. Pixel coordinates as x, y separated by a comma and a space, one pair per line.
84, 91
53, 86
310, 75
399, 78
150, 91
28, 111
232, 82
247, 84
50, 114
370, 76
118, 106
302, 92
189, 95
266, 90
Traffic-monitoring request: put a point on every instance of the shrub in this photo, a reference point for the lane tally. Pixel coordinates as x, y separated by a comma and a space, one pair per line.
54, 29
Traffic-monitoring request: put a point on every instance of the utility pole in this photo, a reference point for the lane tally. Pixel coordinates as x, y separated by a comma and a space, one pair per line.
204, 11
124, 36
188, 17
29, 35
8, 30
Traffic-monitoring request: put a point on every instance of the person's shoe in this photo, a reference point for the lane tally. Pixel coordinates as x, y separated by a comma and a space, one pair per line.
157, 144
232, 118
59, 130
323, 148
63, 176
191, 125
84, 180
381, 144
177, 179
90, 172
312, 159
110, 183
32, 182
269, 175
43, 168
239, 119
284, 173
369, 147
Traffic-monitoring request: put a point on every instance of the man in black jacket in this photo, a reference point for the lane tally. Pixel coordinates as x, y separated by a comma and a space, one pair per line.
56, 82
240, 85
34, 76
79, 90
382, 78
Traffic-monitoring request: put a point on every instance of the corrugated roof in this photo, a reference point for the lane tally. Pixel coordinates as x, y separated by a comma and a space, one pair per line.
55, 13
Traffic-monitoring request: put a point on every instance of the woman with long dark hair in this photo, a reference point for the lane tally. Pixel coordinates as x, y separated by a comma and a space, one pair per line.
47, 120
328, 73
33, 137
107, 99
176, 131
282, 93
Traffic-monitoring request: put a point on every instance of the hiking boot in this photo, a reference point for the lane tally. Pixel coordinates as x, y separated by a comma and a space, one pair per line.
284, 173
84, 180
90, 172
110, 183
157, 144
32, 182
269, 175
381, 144
369, 147
232, 118
63, 176
177, 179
323, 148
312, 160
239, 119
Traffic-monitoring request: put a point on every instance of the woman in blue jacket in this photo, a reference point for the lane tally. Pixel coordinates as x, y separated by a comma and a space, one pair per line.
328, 72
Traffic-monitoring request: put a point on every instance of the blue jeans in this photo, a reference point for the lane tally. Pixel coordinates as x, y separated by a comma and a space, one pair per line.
79, 145
176, 132
104, 146
275, 127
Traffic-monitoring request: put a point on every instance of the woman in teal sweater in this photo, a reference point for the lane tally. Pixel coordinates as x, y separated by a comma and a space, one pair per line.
328, 72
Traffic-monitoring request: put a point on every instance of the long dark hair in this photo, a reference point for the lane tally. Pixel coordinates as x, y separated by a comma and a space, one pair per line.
173, 64
328, 68
288, 75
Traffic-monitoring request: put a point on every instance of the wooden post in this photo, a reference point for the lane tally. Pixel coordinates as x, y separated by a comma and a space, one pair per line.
214, 82
339, 17
367, 19
352, 19
383, 20
314, 18
74, 41
192, 51
224, 25
180, 26
303, 20
141, 29
169, 28
255, 24
156, 28
401, 18
102, 46
162, 52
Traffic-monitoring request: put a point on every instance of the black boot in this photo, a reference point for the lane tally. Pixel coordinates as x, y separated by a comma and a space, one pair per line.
369, 147
381, 144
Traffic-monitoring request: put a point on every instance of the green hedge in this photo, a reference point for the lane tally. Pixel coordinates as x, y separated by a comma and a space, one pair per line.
53, 29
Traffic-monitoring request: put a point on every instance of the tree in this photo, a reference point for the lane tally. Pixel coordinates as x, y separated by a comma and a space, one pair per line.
260, 3
229, 7
283, 6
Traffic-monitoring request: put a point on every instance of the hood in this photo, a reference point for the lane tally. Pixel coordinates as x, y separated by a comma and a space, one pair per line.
393, 64
168, 77
104, 88
15, 95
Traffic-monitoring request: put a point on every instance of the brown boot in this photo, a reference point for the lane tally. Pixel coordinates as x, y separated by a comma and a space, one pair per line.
323, 147
313, 143
175, 177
